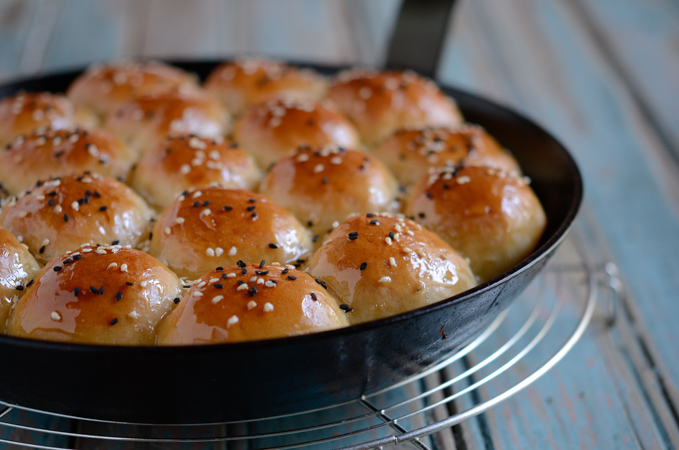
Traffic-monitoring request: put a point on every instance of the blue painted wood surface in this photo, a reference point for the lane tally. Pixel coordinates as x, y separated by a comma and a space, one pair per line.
602, 75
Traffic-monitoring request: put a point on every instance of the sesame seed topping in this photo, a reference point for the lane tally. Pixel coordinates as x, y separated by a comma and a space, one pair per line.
387, 240
184, 169
216, 299
55, 316
346, 308
363, 266
392, 261
232, 321
407, 250
119, 296
179, 220
242, 287
268, 307
168, 230
319, 168
206, 212
144, 283
464, 179
210, 251
100, 251
385, 280
123, 267
197, 294
272, 245
177, 300
230, 275
314, 297
270, 283
112, 265
133, 314
114, 321
251, 305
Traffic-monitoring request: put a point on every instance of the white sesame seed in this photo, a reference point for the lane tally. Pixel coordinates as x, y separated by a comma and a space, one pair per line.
242, 287
112, 265
23, 214
270, 283
93, 150
232, 321
75, 206
420, 285
387, 240
214, 154
397, 236
86, 250
410, 233
260, 280
407, 250
213, 280
73, 138
45, 242
302, 157
168, 230
179, 220
197, 294
385, 280
210, 251
253, 279
58, 209
201, 284
56, 140
335, 224
196, 194
184, 169
100, 251
144, 283
230, 275
123, 267
464, 179
336, 160
216, 299
206, 212
219, 251
251, 304
40, 141
133, 314
268, 307
55, 316
319, 168
233, 251
194, 142
392, 261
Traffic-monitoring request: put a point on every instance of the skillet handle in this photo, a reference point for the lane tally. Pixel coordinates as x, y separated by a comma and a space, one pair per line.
417, 39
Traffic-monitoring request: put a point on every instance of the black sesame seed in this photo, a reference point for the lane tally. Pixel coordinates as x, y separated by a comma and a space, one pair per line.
325, 180
428, 194
272, 245
363, 266
206, 203
93, 290
346, 308
251, 208
309, 224
314, 297
116, 242
369, 215
196, 204
76, 291
446, 186
240, 264
67, 261
286, 270
301, 261
97, 194
420, 215
262, 272
228, 208
391, 234
239, 282
253, 200
129, 283
244, 272
30, 283
57, 268
353, 238
218, 285
322, 283
374, 222
77, 257
52, 193
88, 193
65, 217
114, 321
219, 269
177, 300
261, 263
103, 208
119, 296
101, 291
19, 288
185, 193
51, 202
253, 215
290, 277
224, 277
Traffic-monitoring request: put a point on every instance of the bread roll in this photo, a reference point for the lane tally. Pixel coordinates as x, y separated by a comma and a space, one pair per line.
97, 295
18, 269
146, 120
410, 153
381, 103
103, 88
381, 265
246, 82
490, 217
58, 153
322, 186
251, 302
28, 112
215, 226
186, 162
61, 214
273, 130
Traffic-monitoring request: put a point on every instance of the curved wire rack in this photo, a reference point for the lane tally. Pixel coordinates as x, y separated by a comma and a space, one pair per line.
523, 343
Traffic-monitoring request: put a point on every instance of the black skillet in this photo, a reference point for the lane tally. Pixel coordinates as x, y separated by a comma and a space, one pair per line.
214, 383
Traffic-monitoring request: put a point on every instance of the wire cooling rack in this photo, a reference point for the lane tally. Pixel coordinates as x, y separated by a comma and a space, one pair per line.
522, 344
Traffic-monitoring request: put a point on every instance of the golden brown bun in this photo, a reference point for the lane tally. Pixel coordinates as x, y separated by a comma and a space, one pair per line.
186, 162
103, 88
411, 153
246, 82
273, 130
490, 217
265, 302
146, 120
356, 264
381, 103
326, 185
18, 269
61, 214
63, 152
26, 112
216, 226
97, 295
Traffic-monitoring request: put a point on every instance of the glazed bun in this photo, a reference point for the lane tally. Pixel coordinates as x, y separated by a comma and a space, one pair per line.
490, 217
146, 120
28, 112
380, 265
97, 295
103, 88
273, 130
381, 103
184, 162
246, 82
58, 153
326, 185
411, 153
217, 227
61, 214
251, 302
18, 269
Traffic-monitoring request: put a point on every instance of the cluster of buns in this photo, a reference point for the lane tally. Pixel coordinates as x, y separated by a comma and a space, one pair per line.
141, 208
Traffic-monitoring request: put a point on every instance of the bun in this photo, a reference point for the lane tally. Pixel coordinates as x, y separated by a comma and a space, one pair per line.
218, 227
17, 273
186, 162
251, 302
61, 214
97, 295
490, 217
145, 120
26, 112
246, 82
326, 185
380, 265
411, 153
381, 103
58, 153
273, 130
103, 88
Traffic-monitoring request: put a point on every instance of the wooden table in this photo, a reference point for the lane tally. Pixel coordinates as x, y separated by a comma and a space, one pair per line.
601, 75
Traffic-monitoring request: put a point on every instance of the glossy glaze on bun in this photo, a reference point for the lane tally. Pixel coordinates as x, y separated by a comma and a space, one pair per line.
58, 153
28, 112
381, 103
59, 215
381, 265
490, 217
251, 302
146, 120
215, 226
103, 87
322, 186
97, 295
186, 162
18, 270
411, 153
275, 129
247, 82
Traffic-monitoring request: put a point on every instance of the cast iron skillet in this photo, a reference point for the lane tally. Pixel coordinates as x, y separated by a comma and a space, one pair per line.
214, 383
